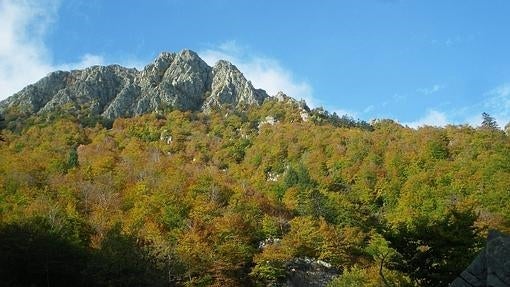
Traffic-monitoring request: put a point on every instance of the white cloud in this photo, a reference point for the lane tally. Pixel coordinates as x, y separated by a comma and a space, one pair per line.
264, 72
474, 120
498, 104
432, 118
24, 57
432, 90
495, 102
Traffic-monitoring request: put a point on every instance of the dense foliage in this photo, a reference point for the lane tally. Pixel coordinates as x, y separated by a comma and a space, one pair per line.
230, 198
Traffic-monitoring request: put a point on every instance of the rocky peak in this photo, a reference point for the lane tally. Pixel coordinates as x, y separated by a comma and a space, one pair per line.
154, 72
181, 80
230, 87
282, 97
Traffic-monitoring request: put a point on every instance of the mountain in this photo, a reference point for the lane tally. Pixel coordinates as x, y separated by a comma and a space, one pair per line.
180, 80
247, 190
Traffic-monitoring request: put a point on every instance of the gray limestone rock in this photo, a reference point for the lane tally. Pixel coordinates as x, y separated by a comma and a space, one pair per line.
282, 97
92, 89
230, 87
33, 97
491, 267
179, 80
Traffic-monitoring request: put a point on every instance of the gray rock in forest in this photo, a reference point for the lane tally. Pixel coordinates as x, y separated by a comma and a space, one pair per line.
491, 267
307, 272
179, 80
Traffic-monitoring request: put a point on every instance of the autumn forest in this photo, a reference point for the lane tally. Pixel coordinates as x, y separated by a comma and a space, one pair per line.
239, 198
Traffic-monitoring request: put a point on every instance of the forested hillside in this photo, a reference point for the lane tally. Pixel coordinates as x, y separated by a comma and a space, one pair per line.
233, 198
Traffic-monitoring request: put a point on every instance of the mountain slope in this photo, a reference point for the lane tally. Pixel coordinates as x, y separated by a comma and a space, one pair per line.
180, 80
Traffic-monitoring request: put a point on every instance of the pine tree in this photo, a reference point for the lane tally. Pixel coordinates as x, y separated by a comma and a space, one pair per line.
489, 122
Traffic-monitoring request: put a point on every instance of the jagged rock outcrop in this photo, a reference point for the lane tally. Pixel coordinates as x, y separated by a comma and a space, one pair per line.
230, 87
180, 80
491, 267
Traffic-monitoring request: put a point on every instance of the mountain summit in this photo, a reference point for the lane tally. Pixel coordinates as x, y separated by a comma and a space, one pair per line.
179, 80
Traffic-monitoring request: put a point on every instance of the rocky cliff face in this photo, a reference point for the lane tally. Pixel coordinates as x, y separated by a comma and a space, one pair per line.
180, 80
229, 87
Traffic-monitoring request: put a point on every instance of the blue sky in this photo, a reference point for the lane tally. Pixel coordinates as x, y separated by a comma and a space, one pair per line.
419, 62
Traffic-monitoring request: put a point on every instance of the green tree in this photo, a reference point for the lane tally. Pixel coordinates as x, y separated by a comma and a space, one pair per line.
488, 122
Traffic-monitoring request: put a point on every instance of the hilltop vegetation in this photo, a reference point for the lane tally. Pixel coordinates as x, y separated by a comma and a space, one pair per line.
189, 198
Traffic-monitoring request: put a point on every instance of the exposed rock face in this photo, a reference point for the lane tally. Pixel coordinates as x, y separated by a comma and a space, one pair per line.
491, 267
307, 272
229, 86
181, 80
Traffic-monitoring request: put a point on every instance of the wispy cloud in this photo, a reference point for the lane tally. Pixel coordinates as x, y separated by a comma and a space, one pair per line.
24, 57
430, 90
498, 103
86, 60
264, 72
431, 118
495, 102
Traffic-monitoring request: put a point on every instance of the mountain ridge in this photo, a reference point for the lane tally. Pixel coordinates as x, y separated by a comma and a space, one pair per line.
180, 80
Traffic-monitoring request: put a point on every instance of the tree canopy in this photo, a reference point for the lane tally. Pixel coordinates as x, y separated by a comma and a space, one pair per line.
228, 198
